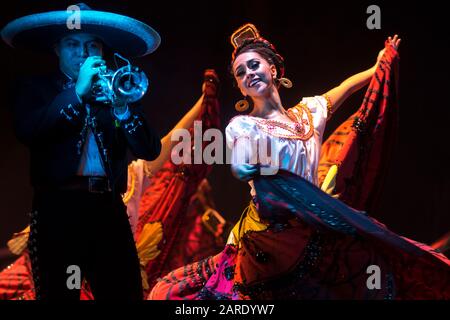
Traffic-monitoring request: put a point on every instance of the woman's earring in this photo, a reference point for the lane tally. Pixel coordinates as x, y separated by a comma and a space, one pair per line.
285, 82
242, 105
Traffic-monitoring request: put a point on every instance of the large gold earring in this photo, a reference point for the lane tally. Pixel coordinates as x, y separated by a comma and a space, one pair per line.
285, 82
241, 105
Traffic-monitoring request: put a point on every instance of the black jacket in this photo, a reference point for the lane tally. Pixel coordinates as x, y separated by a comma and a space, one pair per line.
50, 120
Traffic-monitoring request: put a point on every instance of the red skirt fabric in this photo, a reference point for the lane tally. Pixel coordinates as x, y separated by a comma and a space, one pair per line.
316, 247
16, 282
168, 198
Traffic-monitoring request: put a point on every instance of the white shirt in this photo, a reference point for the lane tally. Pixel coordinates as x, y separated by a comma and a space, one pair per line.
291, 146
91, 163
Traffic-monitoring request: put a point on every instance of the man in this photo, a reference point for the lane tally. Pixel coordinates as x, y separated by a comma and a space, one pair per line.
79, 225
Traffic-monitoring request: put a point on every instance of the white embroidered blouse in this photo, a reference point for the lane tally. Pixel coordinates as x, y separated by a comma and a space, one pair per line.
292, 146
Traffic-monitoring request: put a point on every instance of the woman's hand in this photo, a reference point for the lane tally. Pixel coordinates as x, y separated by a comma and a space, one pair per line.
394, 42
245, 172
340, 93
210, 82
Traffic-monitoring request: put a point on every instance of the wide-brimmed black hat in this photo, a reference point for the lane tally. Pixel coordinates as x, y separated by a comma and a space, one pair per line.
120, 33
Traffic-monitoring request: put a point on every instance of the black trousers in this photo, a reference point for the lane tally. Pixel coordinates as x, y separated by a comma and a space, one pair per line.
75, 231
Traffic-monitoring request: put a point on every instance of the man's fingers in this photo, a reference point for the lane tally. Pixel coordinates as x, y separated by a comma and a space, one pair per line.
93, 58
101, 68
98, 63
94, 71
94, 61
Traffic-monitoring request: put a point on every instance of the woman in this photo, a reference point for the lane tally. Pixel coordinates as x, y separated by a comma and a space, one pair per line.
294, 241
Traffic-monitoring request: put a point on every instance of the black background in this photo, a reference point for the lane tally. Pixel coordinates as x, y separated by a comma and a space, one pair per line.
322, 43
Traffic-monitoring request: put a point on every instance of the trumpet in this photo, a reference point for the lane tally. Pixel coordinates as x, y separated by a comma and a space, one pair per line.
126, 84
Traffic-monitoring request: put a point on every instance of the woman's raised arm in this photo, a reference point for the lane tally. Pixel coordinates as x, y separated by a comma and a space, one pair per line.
352, 84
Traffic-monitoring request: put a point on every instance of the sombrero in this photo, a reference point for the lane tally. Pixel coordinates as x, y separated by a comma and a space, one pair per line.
120, 33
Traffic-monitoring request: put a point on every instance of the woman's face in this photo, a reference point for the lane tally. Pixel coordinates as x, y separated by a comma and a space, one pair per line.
254, 75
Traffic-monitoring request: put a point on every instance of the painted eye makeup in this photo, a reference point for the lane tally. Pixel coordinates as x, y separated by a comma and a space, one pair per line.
239, 72
253, 64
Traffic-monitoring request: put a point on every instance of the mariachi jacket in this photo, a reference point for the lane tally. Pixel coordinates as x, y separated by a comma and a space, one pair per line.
50, 119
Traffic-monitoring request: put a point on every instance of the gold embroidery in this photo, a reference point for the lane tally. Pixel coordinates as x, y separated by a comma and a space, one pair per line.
301, 129
329, 106
127, 196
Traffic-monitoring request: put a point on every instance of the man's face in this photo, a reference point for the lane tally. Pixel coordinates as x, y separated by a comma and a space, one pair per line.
73, 50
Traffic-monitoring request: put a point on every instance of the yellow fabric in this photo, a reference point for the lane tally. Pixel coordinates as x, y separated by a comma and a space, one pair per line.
132, 187
147, 247
329, 183
249, 221
19, 241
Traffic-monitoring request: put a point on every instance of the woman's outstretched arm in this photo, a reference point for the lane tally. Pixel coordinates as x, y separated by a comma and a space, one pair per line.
352, 84
166, 143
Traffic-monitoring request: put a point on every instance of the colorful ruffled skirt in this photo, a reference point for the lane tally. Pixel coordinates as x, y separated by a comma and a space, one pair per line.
297, 242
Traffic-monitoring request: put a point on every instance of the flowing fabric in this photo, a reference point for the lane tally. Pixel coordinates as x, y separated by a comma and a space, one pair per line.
417, 270
314, 246
16, 281
362, 146
167, 198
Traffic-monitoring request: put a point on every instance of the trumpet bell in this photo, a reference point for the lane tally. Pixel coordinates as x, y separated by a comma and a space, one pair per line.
129, 84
